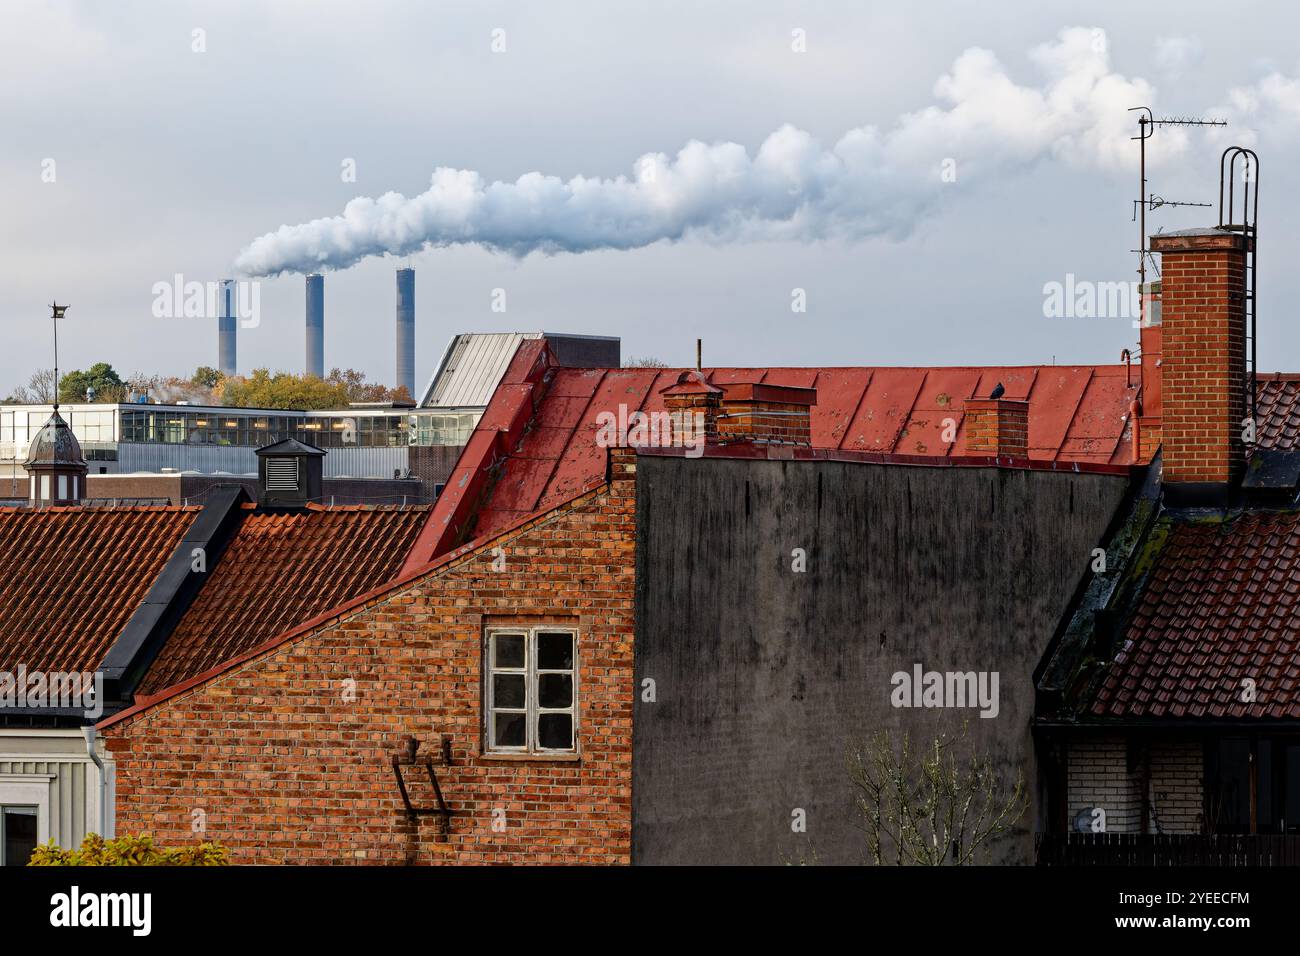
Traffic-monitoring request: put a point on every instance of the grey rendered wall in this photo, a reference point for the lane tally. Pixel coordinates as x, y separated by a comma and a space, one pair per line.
763, 676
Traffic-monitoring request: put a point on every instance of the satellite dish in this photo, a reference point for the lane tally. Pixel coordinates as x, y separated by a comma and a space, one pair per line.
1090, 820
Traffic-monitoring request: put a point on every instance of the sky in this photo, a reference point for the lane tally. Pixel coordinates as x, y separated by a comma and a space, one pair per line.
910, 176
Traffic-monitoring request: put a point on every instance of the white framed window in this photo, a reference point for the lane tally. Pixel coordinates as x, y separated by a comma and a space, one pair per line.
18, 833
24, 816
532, 690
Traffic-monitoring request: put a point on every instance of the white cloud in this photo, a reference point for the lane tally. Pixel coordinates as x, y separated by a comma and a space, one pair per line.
1176, 55
871, 182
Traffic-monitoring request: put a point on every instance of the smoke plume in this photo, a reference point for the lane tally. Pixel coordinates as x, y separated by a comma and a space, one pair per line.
872, 182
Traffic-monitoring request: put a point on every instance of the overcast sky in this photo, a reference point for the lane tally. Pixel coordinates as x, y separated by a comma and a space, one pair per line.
168, 159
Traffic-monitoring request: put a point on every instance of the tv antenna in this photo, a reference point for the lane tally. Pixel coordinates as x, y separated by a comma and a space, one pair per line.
1147, 125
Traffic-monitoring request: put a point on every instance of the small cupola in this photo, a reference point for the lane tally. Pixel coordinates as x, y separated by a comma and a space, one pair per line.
289, 474
55, 468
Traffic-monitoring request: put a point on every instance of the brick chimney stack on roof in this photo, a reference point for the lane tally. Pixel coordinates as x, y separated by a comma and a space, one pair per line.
693, 394
1203, 360
771, 414
998, 427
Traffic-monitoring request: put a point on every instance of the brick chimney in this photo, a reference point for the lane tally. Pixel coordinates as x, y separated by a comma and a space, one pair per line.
692, 393
1203, 360
997, 426
774, 414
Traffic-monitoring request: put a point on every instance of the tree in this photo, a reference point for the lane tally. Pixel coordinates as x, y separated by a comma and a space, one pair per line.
205, 376
644, 362
107, 384
39, 389
264, 389
359, 390
927, 806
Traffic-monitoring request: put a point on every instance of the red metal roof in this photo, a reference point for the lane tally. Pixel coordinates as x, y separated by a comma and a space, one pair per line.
72, 577
1221, 605
278, 571
535, 446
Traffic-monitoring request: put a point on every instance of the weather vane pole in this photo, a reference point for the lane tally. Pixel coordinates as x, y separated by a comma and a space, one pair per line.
56, 312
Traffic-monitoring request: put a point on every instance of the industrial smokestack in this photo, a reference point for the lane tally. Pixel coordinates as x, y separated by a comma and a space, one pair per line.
226, 329
316, 325
406, 330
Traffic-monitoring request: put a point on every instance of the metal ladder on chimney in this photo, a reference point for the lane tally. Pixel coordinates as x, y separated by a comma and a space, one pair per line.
1247, 226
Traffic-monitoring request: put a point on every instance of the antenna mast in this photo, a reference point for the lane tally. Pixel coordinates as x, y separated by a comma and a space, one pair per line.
1147, 124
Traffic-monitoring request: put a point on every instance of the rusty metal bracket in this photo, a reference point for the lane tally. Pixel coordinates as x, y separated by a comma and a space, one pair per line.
408, 758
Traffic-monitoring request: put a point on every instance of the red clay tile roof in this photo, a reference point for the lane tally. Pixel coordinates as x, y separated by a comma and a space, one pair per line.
278, 571
72, 578
535, 446
1278, 399
1221, 604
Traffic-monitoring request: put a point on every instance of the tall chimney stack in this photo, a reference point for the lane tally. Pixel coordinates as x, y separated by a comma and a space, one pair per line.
1203, 361
316, 325
406, 330
226, 329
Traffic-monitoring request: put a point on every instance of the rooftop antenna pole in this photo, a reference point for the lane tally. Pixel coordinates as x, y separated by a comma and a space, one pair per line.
1147, 124
699, 355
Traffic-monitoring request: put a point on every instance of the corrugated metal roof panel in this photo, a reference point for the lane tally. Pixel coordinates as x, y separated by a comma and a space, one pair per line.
471, 368
1076, 413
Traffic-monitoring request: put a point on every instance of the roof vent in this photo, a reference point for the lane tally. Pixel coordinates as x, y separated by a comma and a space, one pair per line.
282, 474
289, 474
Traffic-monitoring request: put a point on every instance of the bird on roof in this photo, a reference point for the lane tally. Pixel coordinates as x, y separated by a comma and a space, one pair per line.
998, 391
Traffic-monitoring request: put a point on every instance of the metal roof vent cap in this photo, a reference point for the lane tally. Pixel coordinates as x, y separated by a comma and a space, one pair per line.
289, 474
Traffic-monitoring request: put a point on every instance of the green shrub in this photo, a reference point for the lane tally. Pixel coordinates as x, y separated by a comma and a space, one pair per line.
139, 850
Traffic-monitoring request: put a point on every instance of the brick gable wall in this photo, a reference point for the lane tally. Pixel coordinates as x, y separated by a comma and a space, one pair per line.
286, 769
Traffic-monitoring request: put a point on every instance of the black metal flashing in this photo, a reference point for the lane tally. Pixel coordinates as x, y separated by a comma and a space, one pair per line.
179, 582
1092, 622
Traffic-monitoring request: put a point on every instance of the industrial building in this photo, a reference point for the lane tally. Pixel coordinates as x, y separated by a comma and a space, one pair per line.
365, 441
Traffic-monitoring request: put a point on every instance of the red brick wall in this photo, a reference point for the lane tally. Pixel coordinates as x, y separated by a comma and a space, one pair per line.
1203, 354
287, 771
997, 426
764, 421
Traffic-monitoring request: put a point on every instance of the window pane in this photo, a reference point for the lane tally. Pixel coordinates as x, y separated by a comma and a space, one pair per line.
555, 731
19, 835
555, 690
554, 652
1229, 786
509, 650
509, 730
508, 690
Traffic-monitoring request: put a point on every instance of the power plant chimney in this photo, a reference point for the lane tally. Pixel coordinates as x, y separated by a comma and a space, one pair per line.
316, 325
406, 330
226, 329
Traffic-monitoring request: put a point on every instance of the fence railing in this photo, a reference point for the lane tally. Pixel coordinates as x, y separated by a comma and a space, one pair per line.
1174, 849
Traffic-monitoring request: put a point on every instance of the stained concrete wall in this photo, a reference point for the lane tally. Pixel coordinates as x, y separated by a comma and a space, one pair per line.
763, 676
